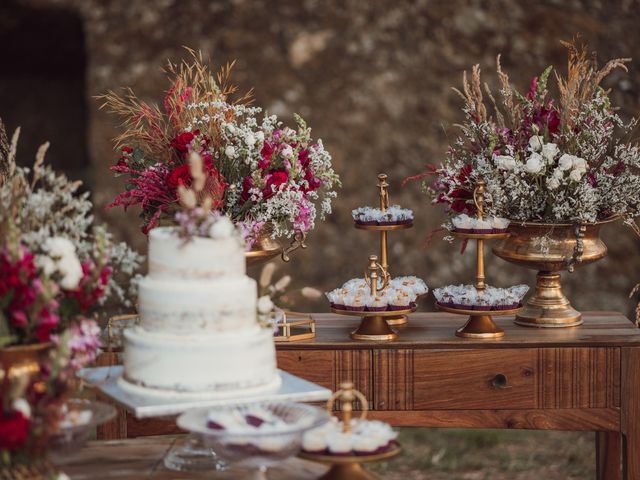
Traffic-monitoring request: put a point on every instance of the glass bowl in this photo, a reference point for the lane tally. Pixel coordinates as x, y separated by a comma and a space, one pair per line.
252, 448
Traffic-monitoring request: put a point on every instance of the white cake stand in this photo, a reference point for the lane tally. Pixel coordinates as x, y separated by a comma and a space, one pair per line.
190, 454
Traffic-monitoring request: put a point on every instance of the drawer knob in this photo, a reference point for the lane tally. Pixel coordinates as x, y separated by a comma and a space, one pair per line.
500, 381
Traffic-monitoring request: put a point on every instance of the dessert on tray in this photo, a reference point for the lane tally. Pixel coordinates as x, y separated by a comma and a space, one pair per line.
365, 437
198, 334
355, 295
488, 225
468, 297
392, 215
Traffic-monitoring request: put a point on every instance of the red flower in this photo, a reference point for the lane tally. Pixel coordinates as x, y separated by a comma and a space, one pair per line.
265, 154
179, 176
182, 142
313, 182
247, 184
303, 157
14, 430
274, 180
533, 90
48, 322
127, 150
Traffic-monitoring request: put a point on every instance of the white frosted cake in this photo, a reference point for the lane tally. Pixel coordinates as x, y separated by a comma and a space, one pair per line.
198, 335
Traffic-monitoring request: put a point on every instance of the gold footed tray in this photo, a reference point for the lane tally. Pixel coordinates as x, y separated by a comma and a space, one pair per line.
374, 325
480, 323
350, 468
383, 228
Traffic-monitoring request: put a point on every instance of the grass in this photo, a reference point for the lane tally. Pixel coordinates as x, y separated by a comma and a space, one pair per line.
431, 454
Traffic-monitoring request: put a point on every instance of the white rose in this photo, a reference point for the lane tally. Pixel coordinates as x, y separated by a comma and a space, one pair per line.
260, 136
265, 305
553, 183
47, 264
71, 271
558, 174
580, 164
566, 162
536, 142
230, 151
250, 140
59, 247
222, 228
534, 163
287, 152
22, 406
576, 174
549, 151
504, 162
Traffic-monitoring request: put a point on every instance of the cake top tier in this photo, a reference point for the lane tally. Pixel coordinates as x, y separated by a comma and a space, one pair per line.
172, 257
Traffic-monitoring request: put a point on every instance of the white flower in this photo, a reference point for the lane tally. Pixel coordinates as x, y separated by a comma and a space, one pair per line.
580, 164
566, 162
222, 228
46, 263
71, 271
59, 247
260, 136
265, 305
536, 142
287, 151
230, 151
576, 174
549, 151
231, 128
504, 162
534, 163
22, 406
558, 174
250, 140
553, 183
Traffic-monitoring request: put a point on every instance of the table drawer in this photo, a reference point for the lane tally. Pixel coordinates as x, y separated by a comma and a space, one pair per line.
523, 378
478, 379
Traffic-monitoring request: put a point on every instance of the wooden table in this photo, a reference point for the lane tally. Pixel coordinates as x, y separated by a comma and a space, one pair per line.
583, 378
142, 458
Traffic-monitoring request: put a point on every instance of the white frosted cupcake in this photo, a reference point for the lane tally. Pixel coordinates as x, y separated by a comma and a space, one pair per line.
339, 444
378, 304
315, 441
482, 226
462, 223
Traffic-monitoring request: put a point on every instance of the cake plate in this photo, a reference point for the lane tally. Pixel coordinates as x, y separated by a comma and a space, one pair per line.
383, 186
190, 454
374, 325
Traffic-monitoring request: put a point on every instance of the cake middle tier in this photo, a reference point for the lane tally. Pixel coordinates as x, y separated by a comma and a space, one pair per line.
188, 307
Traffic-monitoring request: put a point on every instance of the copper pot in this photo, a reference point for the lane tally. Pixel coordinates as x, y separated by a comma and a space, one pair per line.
550, 249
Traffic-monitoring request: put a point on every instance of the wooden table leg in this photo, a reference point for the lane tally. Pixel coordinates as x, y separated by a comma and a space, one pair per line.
117, 428
630, 414
608, 452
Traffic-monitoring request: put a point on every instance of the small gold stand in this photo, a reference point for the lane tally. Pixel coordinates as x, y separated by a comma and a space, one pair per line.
383, 186
349, 467
374, 325
290, 330
480, 323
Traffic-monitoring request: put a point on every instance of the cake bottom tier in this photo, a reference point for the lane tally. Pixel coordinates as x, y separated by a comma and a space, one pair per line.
220, 366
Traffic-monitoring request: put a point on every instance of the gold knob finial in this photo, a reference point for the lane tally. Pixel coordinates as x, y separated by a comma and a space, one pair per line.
347, 395
383, 185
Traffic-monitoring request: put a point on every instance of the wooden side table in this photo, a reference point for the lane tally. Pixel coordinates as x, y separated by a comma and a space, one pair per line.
584, 378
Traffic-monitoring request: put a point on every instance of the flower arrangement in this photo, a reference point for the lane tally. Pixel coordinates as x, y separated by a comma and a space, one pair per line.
54, 270
559, 160
260, 172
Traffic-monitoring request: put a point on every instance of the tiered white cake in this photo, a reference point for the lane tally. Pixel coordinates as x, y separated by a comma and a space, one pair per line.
198, 335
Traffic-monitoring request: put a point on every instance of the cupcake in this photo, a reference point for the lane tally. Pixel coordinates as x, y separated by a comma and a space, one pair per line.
315, 441
377, 304
364, 445
499, 225
462, 223
398, 302
339, 444
482, 226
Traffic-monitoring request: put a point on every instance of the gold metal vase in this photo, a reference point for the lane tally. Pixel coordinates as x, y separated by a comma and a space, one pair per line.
22, 361
551, 249
266, 248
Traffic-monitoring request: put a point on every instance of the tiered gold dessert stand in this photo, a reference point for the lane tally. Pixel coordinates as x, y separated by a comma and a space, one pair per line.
393, 318
349, 467
480, 323
374, 325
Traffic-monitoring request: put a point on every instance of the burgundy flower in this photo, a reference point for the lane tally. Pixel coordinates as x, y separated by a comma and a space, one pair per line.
265, 156
313, 182
182, 142
48, 322
533, 89
247, 184
14, 430
274, 180
303, 157
179, 176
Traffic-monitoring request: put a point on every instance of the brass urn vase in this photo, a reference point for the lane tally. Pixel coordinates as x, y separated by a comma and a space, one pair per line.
22, 361
550, 249
266, 248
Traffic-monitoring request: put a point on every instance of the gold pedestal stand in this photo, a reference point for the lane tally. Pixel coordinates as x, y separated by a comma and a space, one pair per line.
383, 187
374, 325
480, 323
349, 467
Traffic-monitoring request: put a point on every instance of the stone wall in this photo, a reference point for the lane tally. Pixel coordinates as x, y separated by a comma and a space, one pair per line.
372, 78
